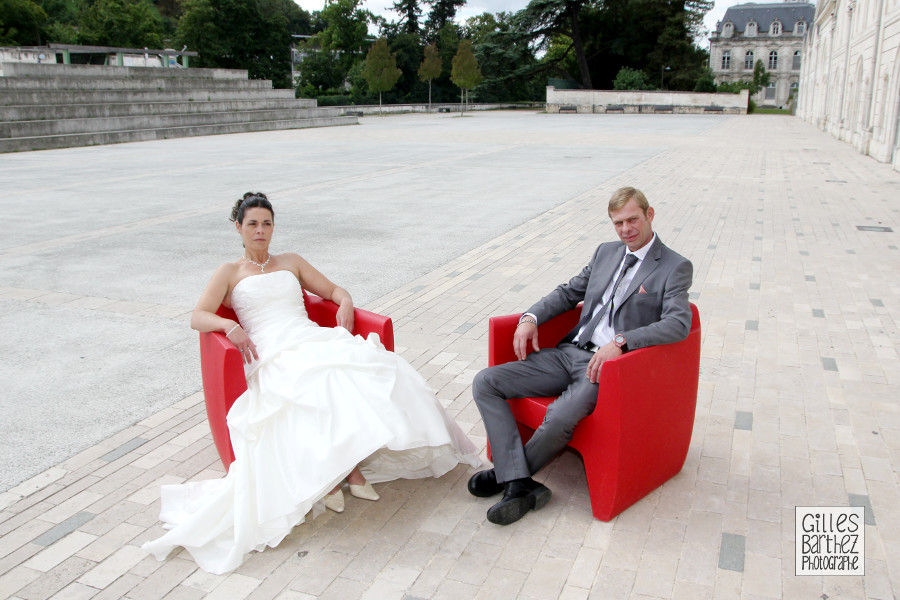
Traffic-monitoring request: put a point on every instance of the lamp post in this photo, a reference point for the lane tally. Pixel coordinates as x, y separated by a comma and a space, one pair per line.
662, 72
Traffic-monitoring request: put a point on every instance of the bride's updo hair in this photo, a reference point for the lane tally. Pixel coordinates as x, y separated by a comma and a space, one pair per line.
250, 200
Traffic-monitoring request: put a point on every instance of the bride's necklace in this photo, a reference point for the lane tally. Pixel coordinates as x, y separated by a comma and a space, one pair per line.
262, 267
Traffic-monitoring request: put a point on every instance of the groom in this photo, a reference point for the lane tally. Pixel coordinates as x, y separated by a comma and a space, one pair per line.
635, 295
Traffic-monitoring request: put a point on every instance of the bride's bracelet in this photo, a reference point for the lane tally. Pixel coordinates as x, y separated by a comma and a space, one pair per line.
232, 329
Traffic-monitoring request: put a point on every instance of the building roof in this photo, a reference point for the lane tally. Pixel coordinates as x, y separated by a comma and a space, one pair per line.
786, 12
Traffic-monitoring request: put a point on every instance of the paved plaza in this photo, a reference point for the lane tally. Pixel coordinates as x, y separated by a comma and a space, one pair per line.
440, 222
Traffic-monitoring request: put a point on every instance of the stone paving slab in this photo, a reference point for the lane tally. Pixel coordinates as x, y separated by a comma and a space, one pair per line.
797, 403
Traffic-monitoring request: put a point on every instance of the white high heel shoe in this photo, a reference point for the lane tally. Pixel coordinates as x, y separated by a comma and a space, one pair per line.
335, 501
364, 491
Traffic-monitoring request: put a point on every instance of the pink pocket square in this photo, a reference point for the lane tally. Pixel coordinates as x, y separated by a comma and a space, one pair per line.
642, 290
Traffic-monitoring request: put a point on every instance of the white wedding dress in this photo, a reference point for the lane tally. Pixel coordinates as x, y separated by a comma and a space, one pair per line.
319, 402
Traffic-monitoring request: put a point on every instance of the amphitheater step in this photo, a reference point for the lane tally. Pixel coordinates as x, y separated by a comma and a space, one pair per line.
143, 135
45, 106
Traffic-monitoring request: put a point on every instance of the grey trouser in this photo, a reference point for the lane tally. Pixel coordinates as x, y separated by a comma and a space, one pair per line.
560, 371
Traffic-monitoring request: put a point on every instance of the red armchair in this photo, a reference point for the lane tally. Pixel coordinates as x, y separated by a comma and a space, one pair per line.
638, 436
223, 370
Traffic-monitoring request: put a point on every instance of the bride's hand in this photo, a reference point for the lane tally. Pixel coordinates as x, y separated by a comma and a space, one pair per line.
244, 344
344, 317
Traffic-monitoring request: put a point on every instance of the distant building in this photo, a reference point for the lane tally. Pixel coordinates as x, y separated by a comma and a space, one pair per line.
851, 80
772, 33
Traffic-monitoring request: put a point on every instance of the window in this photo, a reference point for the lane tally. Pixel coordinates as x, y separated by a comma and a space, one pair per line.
748, 60
773, 60
726, 59
770, 91
776, 28
728, 29
750, 30
800, 28
795, 89
796, 64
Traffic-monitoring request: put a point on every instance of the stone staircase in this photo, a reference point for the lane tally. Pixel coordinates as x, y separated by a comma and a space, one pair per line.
46, 106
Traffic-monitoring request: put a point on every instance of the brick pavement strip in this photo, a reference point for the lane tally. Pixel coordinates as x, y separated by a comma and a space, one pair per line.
797, 402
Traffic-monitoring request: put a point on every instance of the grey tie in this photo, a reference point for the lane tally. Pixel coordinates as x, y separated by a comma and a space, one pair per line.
630, 260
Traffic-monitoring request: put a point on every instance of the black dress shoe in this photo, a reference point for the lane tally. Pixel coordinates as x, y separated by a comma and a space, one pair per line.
520, 496
484, 484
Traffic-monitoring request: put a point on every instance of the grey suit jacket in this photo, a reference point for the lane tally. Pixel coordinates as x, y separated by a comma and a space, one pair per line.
660, 314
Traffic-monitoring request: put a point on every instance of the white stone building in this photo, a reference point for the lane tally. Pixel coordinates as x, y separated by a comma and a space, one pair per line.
772, 33
851, 79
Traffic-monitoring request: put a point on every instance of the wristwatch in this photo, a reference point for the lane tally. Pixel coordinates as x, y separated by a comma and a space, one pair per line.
619, 341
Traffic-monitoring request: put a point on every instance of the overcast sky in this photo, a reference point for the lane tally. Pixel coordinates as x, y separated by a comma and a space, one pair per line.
477, 7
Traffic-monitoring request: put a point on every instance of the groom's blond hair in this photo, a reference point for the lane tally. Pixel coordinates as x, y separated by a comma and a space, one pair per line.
621, 197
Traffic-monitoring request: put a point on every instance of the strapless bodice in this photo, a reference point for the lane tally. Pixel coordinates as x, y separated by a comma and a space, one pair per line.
271, 310
268, 300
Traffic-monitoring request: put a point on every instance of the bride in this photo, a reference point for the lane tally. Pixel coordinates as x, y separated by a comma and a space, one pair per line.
321, 406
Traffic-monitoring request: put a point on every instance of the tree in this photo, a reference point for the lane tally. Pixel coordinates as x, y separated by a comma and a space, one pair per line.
465, 73
381, 72
410, 13
319, 72
22, 23
442, 13
431, 67
761, 77
239, 34
346, 29
543, 20
706, 82
120, 23
631, 79
506, 60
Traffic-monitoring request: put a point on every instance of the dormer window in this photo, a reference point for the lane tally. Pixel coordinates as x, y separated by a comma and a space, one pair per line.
800, 27
728, 29
776, 28
750, 30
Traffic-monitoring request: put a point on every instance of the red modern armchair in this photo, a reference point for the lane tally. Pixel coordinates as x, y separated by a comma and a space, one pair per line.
638, 436
223, 369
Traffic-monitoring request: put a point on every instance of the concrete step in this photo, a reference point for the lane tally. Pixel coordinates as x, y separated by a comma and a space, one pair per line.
21, 129
129, 83
116, 137
61, 70
126, 109
20, 97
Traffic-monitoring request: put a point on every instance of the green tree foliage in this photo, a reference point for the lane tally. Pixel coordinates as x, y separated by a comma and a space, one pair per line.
696, 10
299, 21
431, 67
506, 60
381, 72
761, 77
589, 41
733, 87
631, 79
239, 34
346, 30
441, 14
320, 73
120, 23
706, 82
410, 15
465, 73
543, 21
22, 23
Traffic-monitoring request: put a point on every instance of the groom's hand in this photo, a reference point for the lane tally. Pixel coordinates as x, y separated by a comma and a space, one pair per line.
602, 355
526, 332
